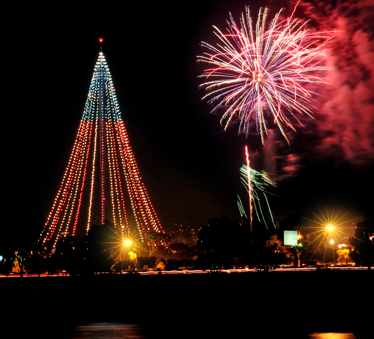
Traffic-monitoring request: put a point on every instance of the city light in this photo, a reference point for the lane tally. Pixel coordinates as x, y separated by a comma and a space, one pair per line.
132, 255
127, 242
330, 228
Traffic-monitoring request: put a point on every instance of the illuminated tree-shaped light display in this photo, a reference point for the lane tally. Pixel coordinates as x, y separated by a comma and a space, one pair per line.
102, 183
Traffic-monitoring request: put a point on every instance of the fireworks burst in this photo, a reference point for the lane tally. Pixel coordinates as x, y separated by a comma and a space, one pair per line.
256, 185
263, 70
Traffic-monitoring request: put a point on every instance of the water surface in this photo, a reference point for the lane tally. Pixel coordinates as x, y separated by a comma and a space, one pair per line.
332, 335
107, 330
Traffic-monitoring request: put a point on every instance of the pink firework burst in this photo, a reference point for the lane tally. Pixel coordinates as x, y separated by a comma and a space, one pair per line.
263, 72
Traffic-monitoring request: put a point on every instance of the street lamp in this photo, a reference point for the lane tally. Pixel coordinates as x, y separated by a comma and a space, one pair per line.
330, 228
126, 245
332, 243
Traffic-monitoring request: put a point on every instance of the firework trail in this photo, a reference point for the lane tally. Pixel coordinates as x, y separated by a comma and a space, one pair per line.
256, 185
263, 70
249, 184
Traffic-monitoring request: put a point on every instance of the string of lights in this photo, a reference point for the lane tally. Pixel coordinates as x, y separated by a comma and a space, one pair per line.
102, 183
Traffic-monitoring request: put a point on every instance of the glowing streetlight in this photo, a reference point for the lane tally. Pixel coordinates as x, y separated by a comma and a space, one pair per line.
330, 228
127, 243
132, 256
332, 242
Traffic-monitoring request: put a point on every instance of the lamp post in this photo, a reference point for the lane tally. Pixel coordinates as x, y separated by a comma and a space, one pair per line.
332, 244
329, 230
298, 247
126, 245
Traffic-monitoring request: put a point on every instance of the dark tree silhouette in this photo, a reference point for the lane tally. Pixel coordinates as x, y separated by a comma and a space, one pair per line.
363, 243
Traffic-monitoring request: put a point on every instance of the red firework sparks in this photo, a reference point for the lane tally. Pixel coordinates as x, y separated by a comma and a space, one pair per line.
263, 72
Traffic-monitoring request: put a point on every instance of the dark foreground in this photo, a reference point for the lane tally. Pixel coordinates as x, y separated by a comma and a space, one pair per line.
217, 305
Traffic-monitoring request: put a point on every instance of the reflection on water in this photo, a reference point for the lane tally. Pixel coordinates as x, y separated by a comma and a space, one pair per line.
332, 336
107, 331
104, 330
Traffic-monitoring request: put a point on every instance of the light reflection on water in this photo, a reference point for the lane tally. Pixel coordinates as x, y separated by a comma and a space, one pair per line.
107, 331
332, 336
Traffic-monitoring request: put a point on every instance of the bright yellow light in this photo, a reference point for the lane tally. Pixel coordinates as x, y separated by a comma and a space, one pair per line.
332, 242
330, 228
127, 243
132, 255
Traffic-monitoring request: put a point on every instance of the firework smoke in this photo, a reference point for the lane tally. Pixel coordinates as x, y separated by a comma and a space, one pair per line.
346, 125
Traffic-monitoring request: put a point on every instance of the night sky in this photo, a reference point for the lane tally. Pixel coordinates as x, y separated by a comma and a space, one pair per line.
189, 164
